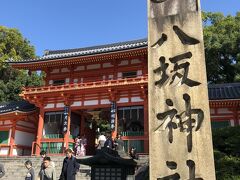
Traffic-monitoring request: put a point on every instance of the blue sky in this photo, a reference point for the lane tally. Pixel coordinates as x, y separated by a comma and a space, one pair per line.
63, 24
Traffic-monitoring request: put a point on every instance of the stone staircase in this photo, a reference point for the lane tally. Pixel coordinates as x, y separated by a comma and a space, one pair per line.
16, 170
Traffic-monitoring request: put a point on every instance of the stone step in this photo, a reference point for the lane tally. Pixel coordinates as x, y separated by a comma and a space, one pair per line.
16, 170
21, 175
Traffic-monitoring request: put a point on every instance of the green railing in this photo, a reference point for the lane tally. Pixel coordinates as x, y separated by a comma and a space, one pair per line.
52, 147
55, 147
138, 144
55, 136
71, 145
220, 124
132, 133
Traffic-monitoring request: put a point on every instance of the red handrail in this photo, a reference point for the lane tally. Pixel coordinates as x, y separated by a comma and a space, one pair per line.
104, 83
34, 144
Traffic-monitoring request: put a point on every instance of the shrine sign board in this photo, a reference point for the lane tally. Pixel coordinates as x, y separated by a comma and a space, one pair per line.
65, 118
179, 121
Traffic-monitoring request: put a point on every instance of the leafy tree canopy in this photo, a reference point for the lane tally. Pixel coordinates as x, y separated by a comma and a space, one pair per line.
226, 143
222, 47
14, 46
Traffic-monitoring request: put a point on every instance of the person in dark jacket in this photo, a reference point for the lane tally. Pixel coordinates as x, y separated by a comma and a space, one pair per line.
109, 142
119, 146
2, 171
47, 172
70, 166
30, 174
133, 153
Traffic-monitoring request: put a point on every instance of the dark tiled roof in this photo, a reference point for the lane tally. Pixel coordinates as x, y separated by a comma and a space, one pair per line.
224, 91
23, 106
106, 156
94, 50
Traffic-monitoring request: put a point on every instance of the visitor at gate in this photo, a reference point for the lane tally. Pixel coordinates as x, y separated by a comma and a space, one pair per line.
101, 140
133, 153
77, 146
96, 140
43, 154
119, 145
83, 145
2, 171
109, 142
69, 167
30, 173
47, 172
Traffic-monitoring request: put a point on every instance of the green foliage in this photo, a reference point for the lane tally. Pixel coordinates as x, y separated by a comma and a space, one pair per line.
227, 167
103, 125
227, 140
103, 122
221, 40
226, 143
14, 46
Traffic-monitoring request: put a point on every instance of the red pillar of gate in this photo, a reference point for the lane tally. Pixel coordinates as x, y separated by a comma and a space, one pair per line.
12, 138
236, 120
146, 132
40, 130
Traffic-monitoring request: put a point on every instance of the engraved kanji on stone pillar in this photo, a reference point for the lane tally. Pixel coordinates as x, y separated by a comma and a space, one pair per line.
179, 121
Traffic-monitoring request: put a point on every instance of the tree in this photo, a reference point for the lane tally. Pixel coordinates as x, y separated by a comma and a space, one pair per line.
226, 143
222, 47
14, 46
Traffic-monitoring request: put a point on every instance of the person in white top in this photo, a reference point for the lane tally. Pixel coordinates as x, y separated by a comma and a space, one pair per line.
101, 140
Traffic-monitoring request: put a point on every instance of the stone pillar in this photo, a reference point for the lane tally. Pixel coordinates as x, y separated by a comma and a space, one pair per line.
179, 120
12, 141
40, 130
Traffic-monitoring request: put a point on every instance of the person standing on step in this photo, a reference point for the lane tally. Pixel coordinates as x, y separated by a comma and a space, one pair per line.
47, 172
69, 167
133, 153
30, 174
109, 142
43, 155
77, 148
119, 146
83, 145
2, 171
101, 140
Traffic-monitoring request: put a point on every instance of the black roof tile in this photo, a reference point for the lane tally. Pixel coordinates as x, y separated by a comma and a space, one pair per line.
56, 54
224, 91
23, 106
